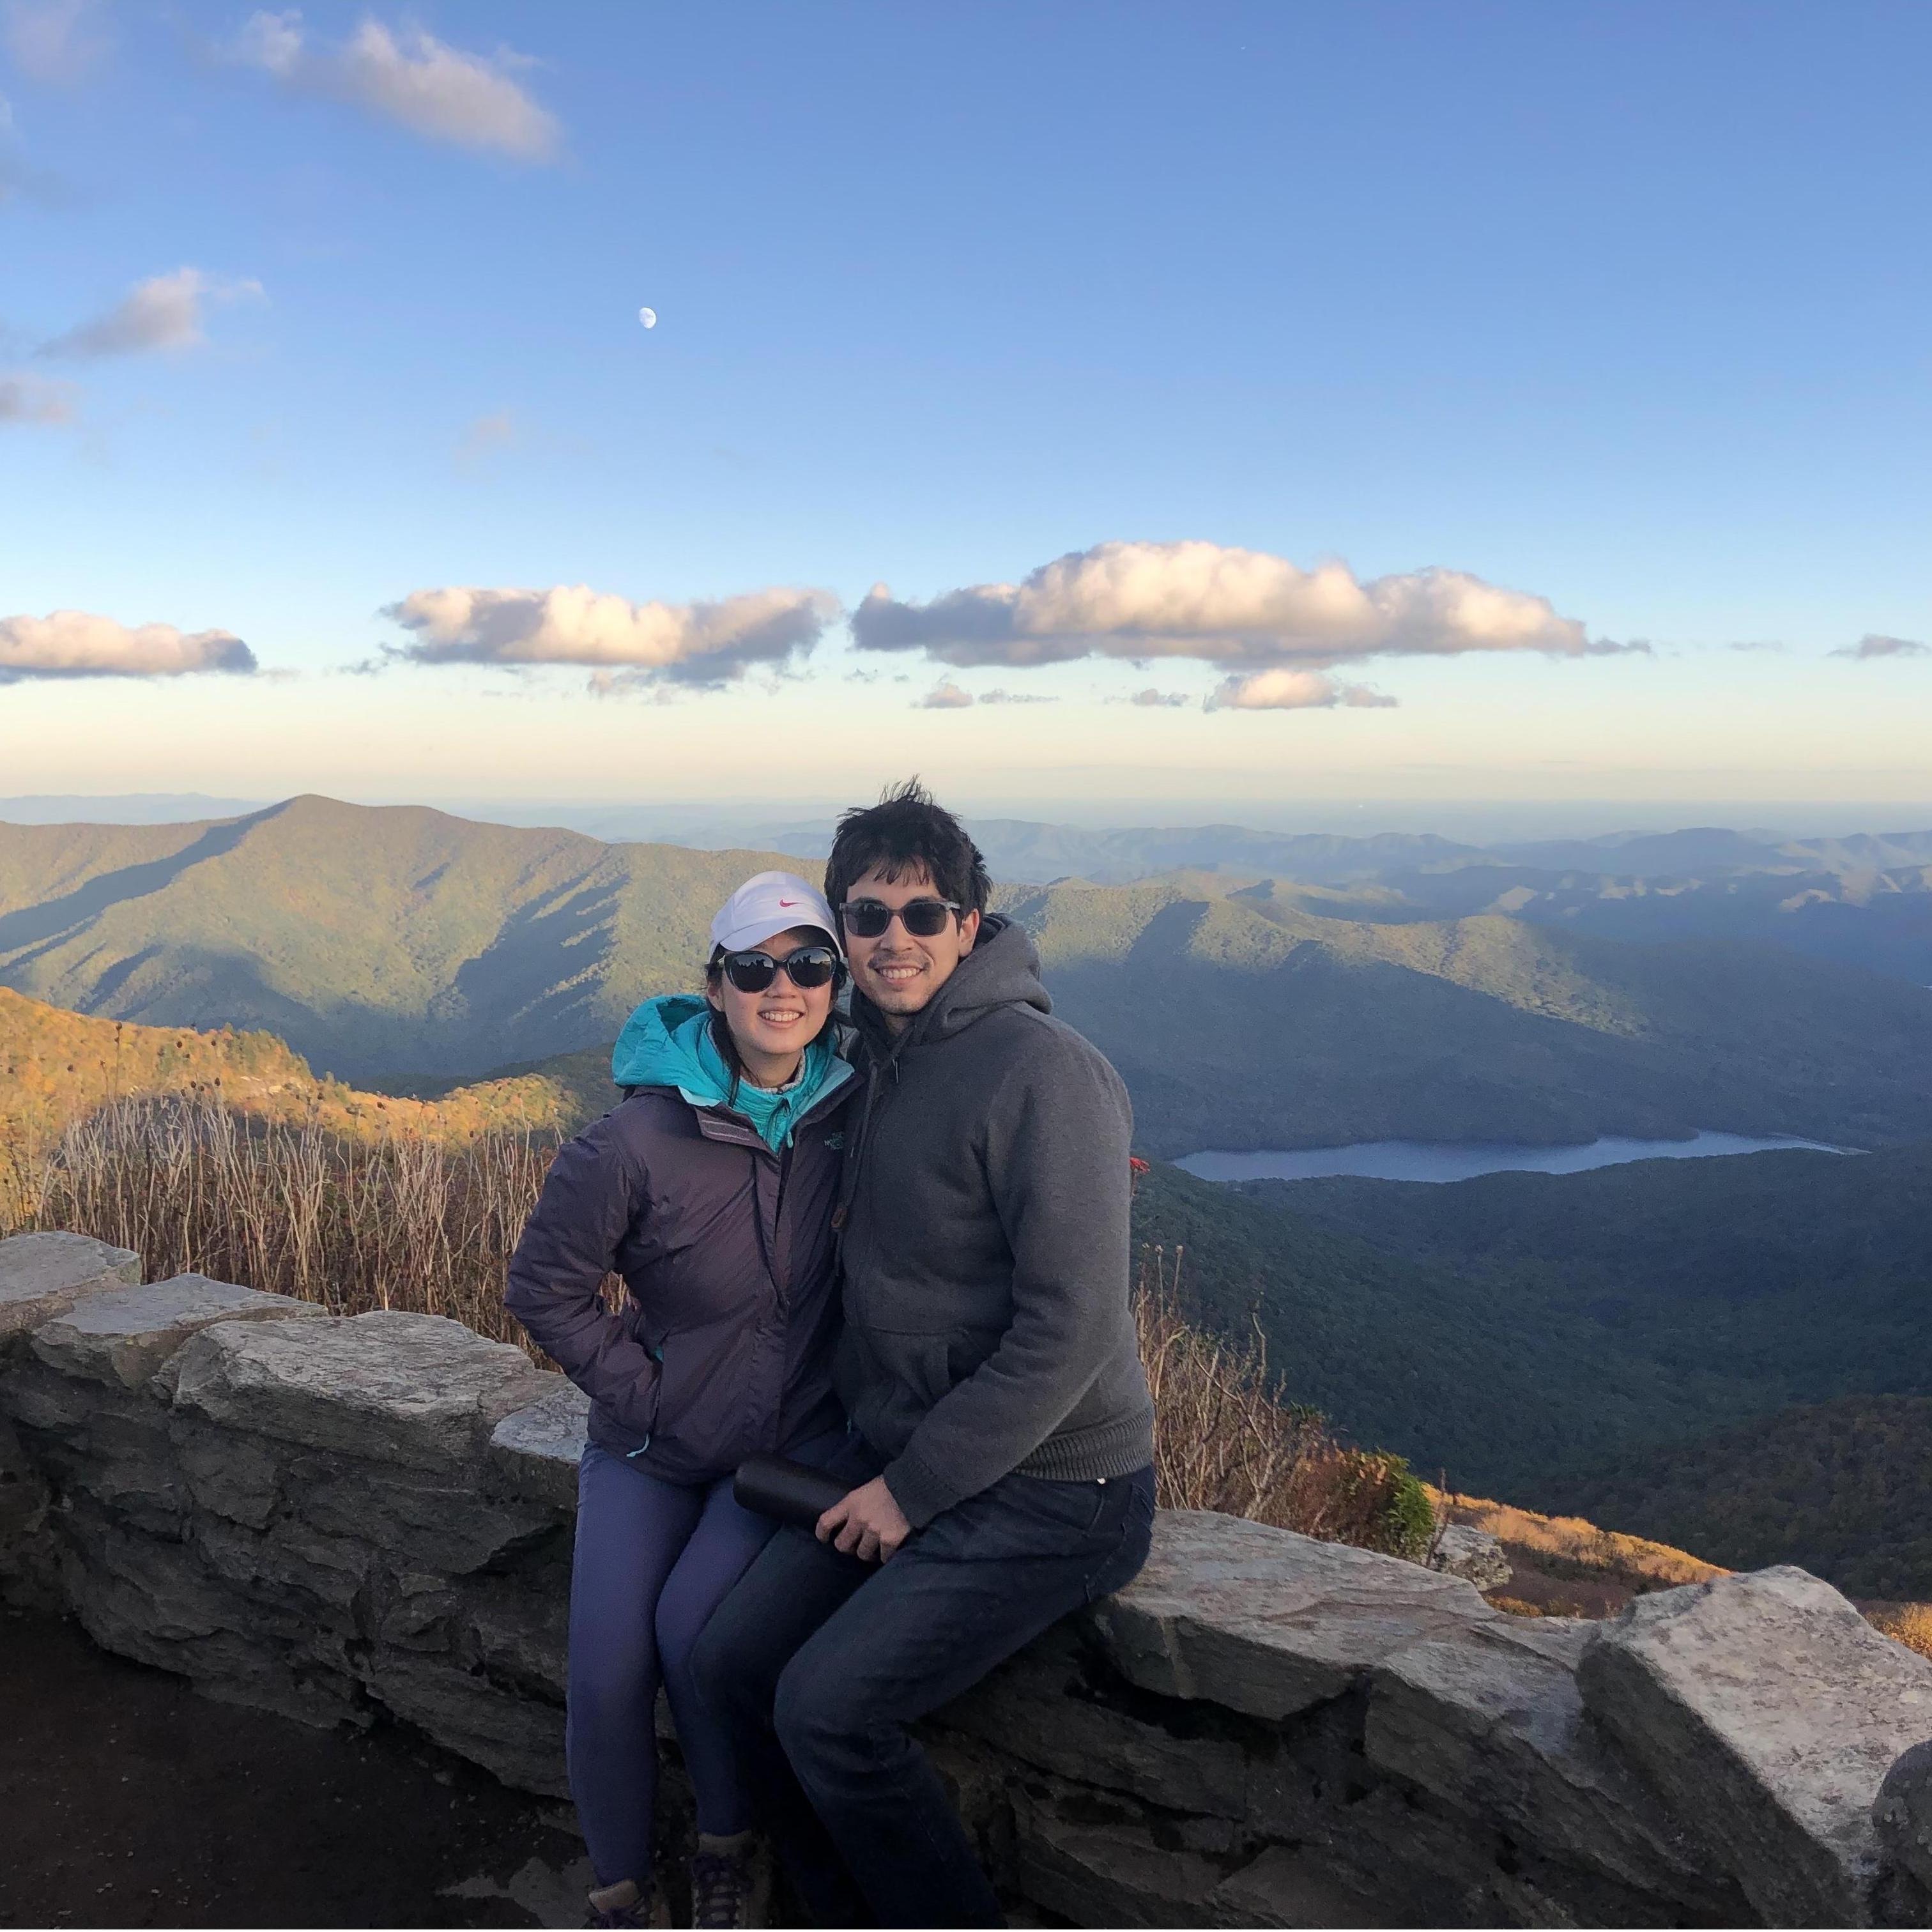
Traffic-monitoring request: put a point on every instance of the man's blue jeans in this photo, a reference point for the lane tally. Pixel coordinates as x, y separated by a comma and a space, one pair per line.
819, 1663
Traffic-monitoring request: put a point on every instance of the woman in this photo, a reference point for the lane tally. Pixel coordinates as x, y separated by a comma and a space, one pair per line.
709, 1189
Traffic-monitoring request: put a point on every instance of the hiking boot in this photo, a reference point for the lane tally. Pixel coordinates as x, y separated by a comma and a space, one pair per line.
731, 1881
628, 1904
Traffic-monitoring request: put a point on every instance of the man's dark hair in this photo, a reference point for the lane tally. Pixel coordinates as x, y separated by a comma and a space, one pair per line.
905, 832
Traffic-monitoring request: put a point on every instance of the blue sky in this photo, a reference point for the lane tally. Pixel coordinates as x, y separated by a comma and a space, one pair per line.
1619, 311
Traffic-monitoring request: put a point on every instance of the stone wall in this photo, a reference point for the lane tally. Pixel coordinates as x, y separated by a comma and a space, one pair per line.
334, 1518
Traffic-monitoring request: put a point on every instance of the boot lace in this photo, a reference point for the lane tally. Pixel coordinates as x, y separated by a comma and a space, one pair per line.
720, 1889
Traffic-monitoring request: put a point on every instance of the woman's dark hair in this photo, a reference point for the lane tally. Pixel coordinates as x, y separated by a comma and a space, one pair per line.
721, 1028
905, 832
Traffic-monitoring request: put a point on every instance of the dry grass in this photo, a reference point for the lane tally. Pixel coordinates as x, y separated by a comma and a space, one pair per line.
1225, 1439
391, 1221
1567, 1545
409, 1221
1908, 1623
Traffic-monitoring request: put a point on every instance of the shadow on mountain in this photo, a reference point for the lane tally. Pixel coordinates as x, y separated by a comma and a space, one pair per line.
35, 925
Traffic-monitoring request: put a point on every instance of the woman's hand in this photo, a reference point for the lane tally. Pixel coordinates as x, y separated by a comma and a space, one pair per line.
867, 1523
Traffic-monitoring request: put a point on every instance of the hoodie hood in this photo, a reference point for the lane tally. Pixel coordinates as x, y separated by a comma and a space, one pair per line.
1002, 969
667, 1042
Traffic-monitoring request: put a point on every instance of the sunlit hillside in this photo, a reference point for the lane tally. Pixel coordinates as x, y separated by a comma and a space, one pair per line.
58, 1067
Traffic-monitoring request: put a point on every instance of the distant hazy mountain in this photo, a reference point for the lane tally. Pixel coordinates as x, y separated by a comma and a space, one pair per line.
157, 808
403, 945
1021, 849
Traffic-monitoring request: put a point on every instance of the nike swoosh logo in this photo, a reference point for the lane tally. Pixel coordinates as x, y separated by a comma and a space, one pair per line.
787, 902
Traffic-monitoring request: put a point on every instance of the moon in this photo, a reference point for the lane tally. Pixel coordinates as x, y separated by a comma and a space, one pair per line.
648, 316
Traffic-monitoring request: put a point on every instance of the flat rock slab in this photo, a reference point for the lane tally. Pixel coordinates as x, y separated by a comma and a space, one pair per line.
1032, 1707
1766, 1708
42, 1276
1494, 1726
414, 1388
1270, 1623
124, 1334
536, 1448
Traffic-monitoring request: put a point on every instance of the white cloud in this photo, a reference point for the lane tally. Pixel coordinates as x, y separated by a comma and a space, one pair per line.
74, 644
164, 312
945, 696
1873, 646
1283, 689
699, 644
27, 399
54, 41
422, 83
484, 438
1203, 600
1150, 696
998, 696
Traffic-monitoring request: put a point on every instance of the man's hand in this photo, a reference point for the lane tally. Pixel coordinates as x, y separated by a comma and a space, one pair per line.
867, 1523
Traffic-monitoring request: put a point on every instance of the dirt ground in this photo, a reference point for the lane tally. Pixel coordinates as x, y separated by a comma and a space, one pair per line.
126, 1799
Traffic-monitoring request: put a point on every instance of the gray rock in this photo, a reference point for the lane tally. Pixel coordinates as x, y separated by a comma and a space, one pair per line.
1422, 1866
520, 1636
290, 1567
123, 1335
227, 1474
42, 1276
1288, 1888
430, 1519
155, 1601
1109, 1871
44, 1402
1024, 1707
411, 1388
1765, 1707
1268, 1622
1902, 1813
535, 1449
99, 1440
1494, 1726
517, 1738
29, 1559
1473, 1554
424, 1620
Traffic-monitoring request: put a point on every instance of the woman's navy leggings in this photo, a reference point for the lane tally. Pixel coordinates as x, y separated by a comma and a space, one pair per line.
653, 1560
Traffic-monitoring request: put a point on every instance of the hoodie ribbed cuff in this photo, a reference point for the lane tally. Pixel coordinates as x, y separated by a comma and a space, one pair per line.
920, 1494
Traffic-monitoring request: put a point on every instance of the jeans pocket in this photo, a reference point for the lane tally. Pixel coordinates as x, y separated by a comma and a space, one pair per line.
1076, 1510
1126, 1552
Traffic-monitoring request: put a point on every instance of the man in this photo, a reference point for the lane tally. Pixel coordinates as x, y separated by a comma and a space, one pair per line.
1002, 1433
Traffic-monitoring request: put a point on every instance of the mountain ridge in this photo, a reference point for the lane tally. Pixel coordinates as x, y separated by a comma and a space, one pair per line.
399, 946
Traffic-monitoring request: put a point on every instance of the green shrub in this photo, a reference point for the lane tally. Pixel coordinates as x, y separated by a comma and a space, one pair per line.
1409, 1517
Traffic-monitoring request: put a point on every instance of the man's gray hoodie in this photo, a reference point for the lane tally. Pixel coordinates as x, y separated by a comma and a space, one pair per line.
986, 1244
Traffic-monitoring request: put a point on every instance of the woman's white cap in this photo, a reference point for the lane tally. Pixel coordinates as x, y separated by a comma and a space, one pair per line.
766, 904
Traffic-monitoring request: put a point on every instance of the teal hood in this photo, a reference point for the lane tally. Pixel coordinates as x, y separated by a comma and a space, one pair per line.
667, 1042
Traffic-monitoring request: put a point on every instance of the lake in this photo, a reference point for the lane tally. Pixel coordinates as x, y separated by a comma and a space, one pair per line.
1426, 1160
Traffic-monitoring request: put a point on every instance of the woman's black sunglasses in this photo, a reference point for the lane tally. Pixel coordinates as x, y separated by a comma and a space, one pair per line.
753, 972
924, 918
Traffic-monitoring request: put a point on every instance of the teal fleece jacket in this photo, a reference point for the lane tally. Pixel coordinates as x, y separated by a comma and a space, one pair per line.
667, 1042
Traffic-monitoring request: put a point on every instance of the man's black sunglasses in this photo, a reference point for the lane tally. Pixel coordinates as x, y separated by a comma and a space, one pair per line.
753, 972
924, 918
